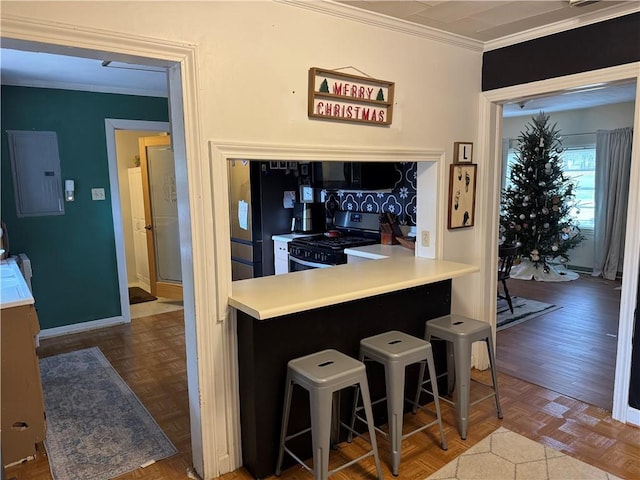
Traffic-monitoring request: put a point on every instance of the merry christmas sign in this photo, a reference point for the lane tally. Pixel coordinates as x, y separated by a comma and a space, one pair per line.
349, 98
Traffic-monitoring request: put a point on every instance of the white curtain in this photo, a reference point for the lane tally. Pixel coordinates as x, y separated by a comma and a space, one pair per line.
613, 166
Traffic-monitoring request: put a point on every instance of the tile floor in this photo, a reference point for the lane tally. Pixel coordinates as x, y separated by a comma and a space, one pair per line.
161, 305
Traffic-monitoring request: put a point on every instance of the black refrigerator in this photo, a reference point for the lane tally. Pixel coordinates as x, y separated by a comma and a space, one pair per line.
257, 211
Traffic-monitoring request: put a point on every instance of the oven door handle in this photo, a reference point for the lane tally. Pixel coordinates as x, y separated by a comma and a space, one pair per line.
309, 264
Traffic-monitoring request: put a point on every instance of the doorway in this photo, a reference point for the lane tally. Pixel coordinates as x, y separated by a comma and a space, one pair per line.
160, 210
491, 125
132, 214
571, 350
179, 60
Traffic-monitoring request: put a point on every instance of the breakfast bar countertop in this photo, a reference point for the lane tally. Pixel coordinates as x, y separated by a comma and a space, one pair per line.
274, 296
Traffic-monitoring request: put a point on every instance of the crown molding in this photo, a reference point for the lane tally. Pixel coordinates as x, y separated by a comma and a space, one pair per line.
83, 87
63, 38
328, 7
588, 19
348, 12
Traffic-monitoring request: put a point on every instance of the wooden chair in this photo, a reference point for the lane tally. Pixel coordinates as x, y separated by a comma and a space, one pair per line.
506, 254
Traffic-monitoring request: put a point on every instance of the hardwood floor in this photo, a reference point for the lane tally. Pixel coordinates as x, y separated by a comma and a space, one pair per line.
571, 350
149, 355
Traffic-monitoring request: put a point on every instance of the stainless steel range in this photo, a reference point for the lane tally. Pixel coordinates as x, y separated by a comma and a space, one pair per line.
353, 229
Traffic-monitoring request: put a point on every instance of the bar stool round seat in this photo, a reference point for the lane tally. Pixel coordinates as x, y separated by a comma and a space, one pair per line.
322, 374
460, 332
395, 351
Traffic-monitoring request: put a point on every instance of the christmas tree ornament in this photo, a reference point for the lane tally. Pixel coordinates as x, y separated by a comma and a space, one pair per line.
532, 215
545, 225
522, 216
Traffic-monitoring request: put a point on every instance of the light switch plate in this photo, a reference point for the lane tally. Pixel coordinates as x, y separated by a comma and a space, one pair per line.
97, 194
426, 238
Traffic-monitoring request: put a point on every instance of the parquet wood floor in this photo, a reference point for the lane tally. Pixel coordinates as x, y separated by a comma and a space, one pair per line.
149, 355
571, 350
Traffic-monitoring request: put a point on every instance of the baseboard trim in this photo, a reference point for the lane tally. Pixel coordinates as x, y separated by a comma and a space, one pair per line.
80, 327
633, 416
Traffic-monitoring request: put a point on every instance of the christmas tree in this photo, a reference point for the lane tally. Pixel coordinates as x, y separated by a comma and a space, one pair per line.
538, 205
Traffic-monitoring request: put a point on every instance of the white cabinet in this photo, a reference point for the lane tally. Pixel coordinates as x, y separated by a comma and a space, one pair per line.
281, 256
281, 250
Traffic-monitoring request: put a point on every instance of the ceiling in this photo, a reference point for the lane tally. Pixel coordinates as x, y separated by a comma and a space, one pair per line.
478, 21
485, 20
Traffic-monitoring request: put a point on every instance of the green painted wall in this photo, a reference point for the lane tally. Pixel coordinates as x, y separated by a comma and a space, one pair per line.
75, 276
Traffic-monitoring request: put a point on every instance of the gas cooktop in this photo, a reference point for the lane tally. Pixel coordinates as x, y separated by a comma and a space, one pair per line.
334, 243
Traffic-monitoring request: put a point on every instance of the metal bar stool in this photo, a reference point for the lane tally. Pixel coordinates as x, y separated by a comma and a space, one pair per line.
395, 351
460, 332
322, 374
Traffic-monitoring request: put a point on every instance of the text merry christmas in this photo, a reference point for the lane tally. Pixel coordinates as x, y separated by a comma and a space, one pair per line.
340, 96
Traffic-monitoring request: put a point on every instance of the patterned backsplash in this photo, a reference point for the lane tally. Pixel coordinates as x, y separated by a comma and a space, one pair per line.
401, 201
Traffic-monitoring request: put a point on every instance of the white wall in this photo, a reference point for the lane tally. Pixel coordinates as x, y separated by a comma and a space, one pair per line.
253, 61
587, 120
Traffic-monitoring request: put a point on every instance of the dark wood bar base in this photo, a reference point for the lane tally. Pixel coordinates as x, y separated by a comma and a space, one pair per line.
265, 347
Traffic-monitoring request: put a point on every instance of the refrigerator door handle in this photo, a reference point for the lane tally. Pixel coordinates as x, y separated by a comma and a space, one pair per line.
309, 264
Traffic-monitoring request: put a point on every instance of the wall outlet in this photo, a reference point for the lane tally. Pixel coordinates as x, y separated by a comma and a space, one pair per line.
426, 238
97, 194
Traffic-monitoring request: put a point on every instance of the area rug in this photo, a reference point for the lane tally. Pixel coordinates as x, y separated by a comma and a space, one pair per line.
523, 309
96, 426
138, 295
506, 455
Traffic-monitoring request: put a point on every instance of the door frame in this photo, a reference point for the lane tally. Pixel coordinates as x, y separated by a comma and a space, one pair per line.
111, 125
214, 448
490, 140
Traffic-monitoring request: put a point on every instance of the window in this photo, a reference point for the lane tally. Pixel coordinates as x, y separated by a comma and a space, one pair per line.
580, 166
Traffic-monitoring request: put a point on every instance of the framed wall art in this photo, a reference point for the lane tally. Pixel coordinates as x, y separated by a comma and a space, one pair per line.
462, 152
462, 195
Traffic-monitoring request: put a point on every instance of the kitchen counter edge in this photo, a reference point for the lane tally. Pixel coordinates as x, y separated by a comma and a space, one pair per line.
14, 291
273, 296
